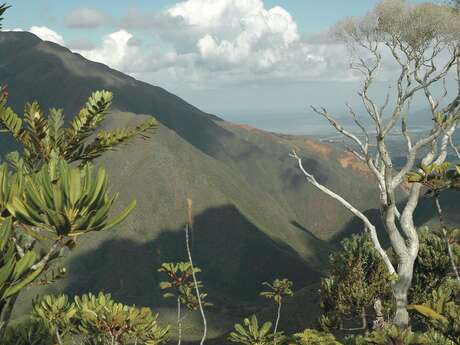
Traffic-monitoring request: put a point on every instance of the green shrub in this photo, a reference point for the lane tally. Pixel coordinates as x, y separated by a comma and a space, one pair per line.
314, 337
393, 335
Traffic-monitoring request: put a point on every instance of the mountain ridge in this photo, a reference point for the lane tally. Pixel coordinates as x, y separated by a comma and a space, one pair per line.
256, 218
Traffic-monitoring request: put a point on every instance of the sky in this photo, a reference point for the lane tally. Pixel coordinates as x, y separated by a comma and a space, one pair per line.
247, 60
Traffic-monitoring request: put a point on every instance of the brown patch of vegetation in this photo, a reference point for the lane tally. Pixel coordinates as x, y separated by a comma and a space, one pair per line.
322, 149
251, 129
347, 160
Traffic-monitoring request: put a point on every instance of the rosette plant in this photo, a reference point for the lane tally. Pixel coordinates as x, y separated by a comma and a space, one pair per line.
66, 202
251, 334
57, 314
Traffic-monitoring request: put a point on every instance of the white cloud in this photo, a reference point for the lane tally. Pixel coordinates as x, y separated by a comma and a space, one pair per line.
211, 43
220, 42
115, 51
86, 18
46, 34
235, 32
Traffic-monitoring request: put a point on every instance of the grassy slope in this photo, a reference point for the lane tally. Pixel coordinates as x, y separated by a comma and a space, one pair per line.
256, 218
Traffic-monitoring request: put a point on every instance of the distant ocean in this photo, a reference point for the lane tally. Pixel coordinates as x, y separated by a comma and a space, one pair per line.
307, 123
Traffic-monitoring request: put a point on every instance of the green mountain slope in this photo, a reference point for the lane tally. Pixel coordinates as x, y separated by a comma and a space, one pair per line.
256, 217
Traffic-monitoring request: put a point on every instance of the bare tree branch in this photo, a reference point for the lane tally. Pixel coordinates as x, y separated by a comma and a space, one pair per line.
367, 223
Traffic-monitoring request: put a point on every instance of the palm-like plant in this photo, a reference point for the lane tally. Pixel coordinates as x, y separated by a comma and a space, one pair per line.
182, 287
57, 313
278, 290
250, 334
65, 201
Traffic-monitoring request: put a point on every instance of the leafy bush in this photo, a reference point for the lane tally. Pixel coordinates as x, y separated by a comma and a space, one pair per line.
357, 279
98, 320
443, 310
314, 337
393, 335
56, 313
435, 338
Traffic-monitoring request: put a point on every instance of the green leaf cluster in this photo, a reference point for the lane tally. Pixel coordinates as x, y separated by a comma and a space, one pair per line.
251, 334
44, 137
436, 177
16, 272
432, 266
279, 289
314, 337
357, 278
443, 310
393, 335
98, 319
56, 312
180, 284
66, 201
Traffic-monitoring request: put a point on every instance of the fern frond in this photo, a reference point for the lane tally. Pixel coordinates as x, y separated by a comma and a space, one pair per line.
10, 122
89, 118
56, 132
36, 122
109, 140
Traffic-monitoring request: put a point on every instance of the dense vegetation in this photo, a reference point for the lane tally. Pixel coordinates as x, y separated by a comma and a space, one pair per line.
51, 196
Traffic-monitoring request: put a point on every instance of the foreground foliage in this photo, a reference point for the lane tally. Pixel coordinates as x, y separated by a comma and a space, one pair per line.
182, 287
314, 337
46, 202
443, 311
251, 334
98, 319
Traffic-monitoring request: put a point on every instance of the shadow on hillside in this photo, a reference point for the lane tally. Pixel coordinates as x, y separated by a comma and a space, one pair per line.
235, 260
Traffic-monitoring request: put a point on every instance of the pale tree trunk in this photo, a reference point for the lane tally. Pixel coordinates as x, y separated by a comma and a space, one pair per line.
179, 322
400, 292
278, 316
189, 253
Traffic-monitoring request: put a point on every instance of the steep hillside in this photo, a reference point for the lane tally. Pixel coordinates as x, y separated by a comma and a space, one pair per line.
256, 217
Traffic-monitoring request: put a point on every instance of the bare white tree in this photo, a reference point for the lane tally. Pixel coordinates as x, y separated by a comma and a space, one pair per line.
422, 42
